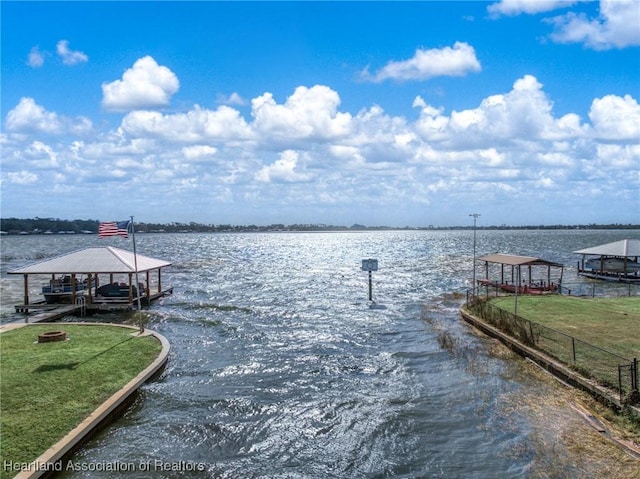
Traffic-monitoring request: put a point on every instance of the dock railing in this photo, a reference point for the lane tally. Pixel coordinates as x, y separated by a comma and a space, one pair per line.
606, 368
585, 287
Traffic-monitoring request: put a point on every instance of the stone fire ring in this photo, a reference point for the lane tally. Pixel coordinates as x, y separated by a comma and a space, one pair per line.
51, 336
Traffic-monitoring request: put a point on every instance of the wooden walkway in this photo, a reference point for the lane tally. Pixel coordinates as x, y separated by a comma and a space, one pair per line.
53, 314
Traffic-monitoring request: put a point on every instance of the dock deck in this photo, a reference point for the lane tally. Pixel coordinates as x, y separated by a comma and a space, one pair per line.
46, 312
53, 314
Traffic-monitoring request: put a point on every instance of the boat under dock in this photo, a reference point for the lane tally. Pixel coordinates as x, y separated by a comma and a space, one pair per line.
633, 278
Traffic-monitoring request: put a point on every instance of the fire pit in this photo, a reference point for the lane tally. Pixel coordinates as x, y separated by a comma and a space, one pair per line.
51, 336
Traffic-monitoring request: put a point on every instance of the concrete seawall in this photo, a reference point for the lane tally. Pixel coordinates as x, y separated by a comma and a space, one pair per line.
558, 369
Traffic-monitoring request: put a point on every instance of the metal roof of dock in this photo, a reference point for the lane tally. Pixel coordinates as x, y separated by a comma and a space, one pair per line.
104, 259
622, 248
515, 260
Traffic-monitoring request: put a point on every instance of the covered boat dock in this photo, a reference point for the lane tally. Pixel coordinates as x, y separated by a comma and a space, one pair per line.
75, 278
617, 261
540, 276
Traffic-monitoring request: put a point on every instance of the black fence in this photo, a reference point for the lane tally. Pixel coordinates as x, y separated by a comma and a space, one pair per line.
581, 287
608, 369
598, 288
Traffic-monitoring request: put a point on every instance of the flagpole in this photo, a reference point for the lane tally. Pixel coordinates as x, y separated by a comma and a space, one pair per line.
135, 262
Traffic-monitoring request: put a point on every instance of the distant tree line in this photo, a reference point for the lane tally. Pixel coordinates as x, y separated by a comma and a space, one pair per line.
42, 225
60, 226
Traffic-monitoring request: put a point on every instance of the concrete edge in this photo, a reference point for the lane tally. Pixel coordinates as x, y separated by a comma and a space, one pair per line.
546, 362
44, 464
10, 326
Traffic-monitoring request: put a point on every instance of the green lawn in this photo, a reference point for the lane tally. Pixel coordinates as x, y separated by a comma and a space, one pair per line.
609, 323
47, 389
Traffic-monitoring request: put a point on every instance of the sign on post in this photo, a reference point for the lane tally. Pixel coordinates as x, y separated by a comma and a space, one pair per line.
369, 264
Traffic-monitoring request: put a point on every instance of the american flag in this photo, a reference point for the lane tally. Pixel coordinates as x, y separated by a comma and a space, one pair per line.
113, 228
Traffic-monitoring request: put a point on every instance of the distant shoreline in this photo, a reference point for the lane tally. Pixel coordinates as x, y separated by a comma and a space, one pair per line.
50, 226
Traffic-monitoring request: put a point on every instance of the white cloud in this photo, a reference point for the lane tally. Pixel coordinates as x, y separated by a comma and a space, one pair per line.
624, 158
545, 182
70, 57
233, 99
145, 85
308, 113
81, 125
516, 7
432, 123
616, 118
614, 164
198, 151
23, 177
523, 114
556, 158
457, 61
35, 58
41, 156
285, 169
37, 157
27, 116
492, 157
618, 26
194, 126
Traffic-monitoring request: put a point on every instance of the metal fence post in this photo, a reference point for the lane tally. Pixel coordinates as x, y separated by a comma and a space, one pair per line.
573, 347
620, 382
533, 339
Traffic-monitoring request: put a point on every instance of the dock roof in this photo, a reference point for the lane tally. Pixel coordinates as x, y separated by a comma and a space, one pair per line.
514, 260
103, 259
623, 248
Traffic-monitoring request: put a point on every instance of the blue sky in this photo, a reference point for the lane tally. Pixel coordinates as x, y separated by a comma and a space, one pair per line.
378, 113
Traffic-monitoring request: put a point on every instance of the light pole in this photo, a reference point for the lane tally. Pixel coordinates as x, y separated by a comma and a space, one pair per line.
517, 285
475, 217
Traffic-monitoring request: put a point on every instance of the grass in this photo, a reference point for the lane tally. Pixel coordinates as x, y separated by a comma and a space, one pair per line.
47, 389
612, 324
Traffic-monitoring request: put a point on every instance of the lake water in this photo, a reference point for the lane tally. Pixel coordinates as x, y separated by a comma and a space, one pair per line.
279, 367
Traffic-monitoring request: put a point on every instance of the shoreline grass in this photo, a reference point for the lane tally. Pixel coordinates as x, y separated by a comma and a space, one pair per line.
47, 389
